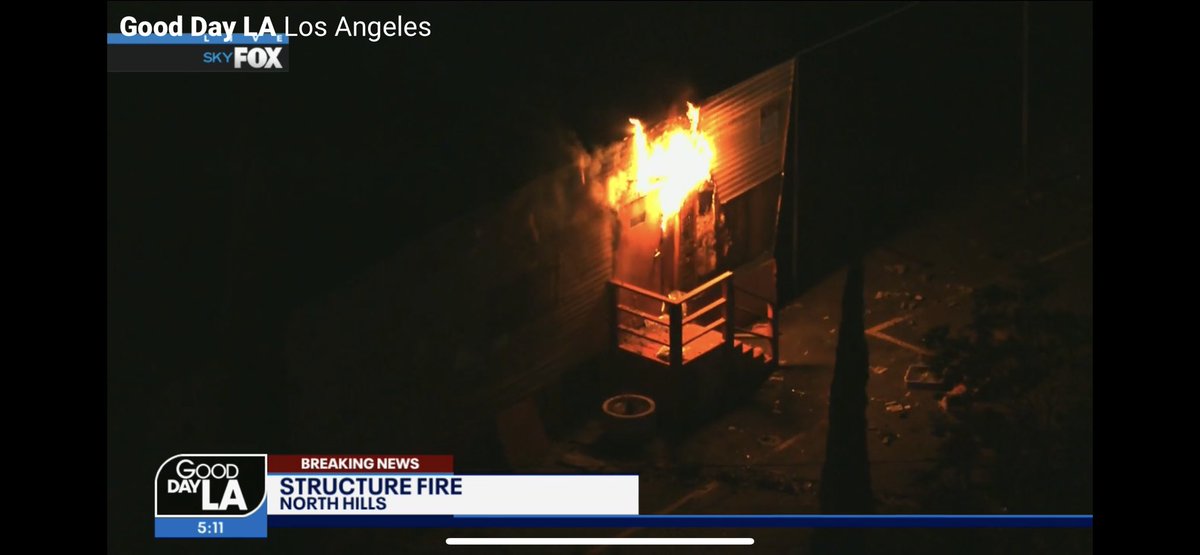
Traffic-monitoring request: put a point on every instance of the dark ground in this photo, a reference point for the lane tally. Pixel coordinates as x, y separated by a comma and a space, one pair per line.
215, 235
766, 457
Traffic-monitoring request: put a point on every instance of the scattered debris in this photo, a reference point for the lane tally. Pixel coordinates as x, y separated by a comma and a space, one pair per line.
800, 393
952, 397
879, 369
805, 353
769, 440
733, 428
825, 317
889, 437
834, 330
921, 376
776, 376
879, 294
918, 297
893, 406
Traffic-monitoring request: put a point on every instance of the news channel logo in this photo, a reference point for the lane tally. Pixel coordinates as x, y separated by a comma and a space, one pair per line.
204, 53
207, 495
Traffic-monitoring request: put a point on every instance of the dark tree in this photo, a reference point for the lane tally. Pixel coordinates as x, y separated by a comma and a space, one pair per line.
846, 475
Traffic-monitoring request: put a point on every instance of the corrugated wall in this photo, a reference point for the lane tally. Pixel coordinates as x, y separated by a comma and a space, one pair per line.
749, 124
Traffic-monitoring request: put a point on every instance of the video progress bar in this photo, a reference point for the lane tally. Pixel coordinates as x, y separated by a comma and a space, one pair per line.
599, 541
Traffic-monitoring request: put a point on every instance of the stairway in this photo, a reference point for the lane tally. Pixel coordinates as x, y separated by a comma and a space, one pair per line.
751, 353
752, 364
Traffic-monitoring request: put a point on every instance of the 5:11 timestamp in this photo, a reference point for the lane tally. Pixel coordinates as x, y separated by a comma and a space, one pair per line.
215, 527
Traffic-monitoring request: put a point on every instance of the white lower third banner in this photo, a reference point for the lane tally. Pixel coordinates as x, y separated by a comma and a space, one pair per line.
446, 494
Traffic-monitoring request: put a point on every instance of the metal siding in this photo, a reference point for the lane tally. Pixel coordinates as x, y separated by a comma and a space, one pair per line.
733, 118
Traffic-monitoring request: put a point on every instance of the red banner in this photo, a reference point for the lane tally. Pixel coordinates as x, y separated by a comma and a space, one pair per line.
358, 464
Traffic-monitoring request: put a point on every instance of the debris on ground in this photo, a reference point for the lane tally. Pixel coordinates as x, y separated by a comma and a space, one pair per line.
879, 369
776, 409
776, 376
920, 375
894, 406
952, 396
918, 297
825, 317
733, 428
834, 330
889, 437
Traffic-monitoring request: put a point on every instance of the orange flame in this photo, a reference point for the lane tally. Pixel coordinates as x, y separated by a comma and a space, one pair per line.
672, 165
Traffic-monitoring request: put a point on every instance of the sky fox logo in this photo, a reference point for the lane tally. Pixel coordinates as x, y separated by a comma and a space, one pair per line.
210, 484
255, 57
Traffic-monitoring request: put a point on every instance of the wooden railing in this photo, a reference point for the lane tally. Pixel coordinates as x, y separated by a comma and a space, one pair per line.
694, 315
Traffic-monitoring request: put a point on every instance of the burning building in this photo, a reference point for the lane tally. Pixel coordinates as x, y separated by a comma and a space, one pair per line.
650, 268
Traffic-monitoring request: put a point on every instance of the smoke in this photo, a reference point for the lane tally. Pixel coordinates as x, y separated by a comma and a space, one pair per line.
600, 166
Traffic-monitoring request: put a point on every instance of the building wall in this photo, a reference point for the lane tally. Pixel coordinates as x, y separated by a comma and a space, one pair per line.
455, 327
426, 348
